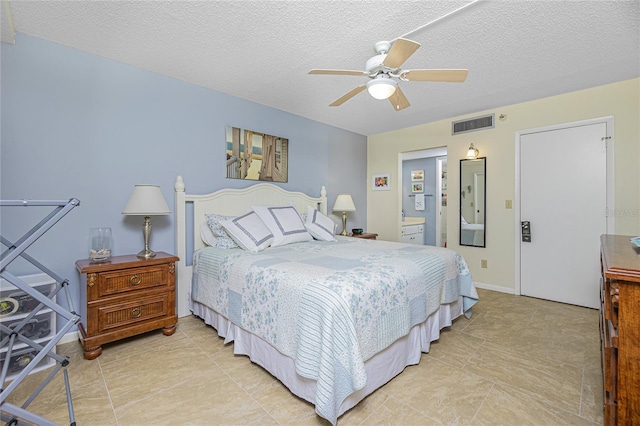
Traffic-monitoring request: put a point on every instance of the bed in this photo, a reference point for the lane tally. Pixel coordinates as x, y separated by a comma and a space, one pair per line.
471, 234
332, 320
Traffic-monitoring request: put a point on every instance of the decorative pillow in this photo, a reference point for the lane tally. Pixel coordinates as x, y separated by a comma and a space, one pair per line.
320, 226
284, 223
207, 236
249, 232
223, 240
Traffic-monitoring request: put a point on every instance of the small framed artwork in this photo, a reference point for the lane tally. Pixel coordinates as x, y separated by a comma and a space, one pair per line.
381, 182
417, 187
417, 176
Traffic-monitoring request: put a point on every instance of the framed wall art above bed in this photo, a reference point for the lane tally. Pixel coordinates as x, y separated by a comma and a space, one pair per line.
332, 317
254, 155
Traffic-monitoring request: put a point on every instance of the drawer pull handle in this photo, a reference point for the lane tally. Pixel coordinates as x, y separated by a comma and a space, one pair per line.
136, 313
135, 280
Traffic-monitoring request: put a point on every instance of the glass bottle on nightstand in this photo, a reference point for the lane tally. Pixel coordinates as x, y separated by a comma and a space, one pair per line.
99, 244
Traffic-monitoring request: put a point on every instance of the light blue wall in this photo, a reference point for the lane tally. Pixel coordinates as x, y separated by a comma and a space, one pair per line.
78, 125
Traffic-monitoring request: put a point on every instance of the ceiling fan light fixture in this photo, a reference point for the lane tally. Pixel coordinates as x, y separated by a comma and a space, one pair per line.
382, 87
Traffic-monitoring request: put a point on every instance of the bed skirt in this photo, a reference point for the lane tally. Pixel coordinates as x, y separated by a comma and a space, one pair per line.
380, 368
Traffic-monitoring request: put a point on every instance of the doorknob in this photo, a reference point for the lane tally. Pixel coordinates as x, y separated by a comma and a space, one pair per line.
526, 231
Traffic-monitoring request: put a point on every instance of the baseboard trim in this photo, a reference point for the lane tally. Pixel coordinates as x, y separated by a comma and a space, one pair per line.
492, 287
69, 337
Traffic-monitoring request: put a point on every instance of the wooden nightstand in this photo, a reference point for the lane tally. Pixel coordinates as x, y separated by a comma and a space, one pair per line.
125, 296
365, 236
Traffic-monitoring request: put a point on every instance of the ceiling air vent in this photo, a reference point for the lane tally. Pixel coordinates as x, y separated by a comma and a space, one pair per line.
473, 124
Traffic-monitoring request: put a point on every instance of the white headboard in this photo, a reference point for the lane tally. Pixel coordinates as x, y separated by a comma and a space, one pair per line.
231, 202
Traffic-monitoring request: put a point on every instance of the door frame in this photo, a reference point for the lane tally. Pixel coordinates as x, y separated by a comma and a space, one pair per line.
440, 161
412, 155
610, 184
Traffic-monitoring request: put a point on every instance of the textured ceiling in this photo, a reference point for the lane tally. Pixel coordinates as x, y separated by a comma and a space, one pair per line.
262, 50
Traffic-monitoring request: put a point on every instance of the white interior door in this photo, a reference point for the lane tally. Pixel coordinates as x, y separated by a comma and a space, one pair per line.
563, 194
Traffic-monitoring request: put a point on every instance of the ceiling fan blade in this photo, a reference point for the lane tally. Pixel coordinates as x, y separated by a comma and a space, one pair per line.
399, 100
454, 76
349, 95
337, 72
400, 52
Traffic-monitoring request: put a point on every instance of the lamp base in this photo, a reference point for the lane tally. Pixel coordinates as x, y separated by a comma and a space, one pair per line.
146, 254
344, 224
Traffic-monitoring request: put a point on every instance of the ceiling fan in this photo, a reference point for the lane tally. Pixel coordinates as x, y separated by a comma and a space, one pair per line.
384, 70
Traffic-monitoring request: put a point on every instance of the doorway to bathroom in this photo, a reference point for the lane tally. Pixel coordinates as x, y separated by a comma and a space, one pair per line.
423, 204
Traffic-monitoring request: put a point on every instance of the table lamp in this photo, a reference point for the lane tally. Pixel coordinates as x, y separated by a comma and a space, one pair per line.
147, 201
344, 204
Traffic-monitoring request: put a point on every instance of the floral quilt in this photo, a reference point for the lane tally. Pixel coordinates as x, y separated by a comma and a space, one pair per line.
330, 306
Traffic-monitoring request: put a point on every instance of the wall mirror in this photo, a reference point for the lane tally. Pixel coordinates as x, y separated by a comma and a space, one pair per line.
472, 202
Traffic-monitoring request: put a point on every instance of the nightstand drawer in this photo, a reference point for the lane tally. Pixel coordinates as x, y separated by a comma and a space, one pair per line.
125, 314
119, 282
124, 297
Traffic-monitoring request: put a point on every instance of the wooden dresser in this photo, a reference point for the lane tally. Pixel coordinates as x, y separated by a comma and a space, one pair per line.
620, 329
125, 296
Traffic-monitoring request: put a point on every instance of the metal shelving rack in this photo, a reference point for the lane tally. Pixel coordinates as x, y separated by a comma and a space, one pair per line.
10, 413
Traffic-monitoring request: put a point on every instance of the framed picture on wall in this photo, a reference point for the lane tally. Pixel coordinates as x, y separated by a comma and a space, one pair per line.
417, 176
417, 187
381, 182
253, 155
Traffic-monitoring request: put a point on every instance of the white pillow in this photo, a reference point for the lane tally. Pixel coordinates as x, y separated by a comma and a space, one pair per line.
207, 236
249, 232
320, 226
284, 223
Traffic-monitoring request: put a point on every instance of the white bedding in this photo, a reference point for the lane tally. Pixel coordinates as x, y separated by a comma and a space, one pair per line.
473, 227
472, 234
380, 368
357, 297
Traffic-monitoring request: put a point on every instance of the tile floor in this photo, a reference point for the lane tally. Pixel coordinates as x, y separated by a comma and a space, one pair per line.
518, 361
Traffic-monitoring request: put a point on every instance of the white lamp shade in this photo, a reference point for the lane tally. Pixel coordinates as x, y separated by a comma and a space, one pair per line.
344, 203
146, 200
381, 87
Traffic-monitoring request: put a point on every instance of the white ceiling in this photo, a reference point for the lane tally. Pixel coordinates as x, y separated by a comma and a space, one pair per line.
262, 50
